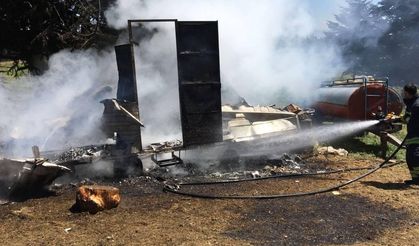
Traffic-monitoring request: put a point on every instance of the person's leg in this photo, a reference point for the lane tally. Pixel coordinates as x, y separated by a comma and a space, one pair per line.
412, 160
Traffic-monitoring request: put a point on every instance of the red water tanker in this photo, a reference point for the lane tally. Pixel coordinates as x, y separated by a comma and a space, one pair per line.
357, 99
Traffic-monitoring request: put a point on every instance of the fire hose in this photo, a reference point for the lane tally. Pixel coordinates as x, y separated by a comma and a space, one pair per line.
275, 196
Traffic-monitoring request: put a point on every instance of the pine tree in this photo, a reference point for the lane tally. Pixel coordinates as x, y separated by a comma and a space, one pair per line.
357, 30
400, 44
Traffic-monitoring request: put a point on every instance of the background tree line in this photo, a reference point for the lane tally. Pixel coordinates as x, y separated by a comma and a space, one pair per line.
380, 39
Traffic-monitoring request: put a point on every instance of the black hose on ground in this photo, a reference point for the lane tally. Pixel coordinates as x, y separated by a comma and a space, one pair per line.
286, 175
329, 189
279, 176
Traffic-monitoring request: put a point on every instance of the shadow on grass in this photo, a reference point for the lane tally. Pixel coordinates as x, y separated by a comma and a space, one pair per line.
386, 186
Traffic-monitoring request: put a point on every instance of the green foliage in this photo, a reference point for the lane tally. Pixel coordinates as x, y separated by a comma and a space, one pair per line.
35, 29
368, 145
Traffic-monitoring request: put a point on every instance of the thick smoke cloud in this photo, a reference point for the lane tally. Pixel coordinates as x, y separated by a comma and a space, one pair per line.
268, 49
270, 53
60, 108
157, 82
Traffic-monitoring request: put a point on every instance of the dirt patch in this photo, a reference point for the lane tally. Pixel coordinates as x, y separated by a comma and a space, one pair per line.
364, 213
316, 220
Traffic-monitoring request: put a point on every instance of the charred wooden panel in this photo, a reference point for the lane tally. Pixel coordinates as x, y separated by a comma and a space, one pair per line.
199, 82
127, 83
129, 132
115, 120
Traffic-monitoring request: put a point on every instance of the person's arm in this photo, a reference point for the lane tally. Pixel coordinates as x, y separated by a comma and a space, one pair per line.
406, 116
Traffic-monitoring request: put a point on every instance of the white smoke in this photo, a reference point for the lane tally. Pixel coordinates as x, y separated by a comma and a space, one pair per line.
265, 46
268, 50
60, 108
158, 93
277, 145
358, 24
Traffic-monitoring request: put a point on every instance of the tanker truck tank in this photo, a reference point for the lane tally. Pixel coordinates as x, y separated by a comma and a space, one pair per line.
357, 99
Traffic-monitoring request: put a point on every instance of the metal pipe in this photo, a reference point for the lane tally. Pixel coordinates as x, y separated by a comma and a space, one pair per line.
366, 98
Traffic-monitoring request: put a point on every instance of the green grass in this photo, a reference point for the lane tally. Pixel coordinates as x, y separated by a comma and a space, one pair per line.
368, 145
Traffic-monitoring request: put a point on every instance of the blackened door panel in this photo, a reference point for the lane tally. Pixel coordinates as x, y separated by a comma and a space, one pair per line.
199, 82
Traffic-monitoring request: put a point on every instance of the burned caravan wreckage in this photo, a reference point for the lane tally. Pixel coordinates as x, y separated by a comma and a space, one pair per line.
232, 130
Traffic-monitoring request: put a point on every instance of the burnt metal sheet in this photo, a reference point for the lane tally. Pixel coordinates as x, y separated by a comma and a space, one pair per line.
127, 83
199, 81
129, 132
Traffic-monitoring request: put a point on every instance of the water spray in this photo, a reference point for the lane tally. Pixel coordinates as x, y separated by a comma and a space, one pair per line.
280, 143
324, 133
358, 126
